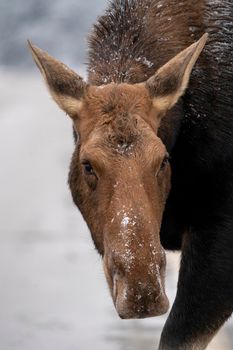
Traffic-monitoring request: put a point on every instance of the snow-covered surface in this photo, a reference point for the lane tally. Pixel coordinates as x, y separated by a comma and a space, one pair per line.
53, 293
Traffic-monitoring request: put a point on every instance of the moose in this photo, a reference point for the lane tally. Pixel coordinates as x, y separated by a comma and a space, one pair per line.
152, 168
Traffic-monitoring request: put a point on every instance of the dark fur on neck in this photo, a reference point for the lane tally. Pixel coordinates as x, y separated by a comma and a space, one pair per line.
135, 37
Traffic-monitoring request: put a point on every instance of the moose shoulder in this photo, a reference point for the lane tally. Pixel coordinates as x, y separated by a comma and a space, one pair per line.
153, 161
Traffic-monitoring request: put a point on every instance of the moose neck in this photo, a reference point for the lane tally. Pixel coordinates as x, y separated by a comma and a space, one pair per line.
120, 47
126, 44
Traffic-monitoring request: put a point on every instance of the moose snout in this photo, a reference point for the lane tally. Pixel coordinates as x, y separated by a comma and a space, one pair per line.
138, 291
140, 300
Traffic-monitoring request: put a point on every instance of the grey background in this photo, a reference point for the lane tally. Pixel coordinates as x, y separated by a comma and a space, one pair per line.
53, 294
59, 26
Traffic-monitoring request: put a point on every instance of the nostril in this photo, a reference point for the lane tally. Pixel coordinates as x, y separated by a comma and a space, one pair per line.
117, 263
117, 277
115, 287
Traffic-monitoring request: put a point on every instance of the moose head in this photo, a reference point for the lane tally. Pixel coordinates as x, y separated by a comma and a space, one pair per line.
120, 173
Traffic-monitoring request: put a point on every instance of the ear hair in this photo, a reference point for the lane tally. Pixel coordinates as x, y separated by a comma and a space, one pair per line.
65, 86
171, 80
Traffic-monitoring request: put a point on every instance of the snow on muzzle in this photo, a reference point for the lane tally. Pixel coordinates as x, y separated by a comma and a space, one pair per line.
134, 264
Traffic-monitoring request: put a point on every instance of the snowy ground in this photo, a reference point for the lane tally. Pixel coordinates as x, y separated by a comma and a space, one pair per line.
53, 294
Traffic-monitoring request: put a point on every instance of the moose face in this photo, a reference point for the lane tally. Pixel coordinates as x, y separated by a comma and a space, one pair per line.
120, 179
120, 174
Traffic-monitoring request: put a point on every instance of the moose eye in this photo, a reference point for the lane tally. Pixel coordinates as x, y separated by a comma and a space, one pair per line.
88, 168
90, 178
164, 162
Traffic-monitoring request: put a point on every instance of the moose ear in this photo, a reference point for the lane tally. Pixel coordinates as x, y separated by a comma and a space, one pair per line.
66, 87
170, 81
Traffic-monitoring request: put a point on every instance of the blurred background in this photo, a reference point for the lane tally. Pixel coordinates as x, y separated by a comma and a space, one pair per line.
53, 294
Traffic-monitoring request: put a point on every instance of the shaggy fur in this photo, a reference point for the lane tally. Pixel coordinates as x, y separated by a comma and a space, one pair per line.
133, 39
134, 202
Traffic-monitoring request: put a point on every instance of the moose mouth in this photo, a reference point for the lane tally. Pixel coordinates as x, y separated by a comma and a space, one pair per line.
142, 302
136, 297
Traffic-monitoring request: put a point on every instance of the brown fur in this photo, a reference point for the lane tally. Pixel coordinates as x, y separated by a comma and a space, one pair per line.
131, 31
125, 159
120, 174
118, 144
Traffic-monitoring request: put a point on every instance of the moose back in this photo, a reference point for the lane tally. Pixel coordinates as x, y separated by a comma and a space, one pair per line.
152, 167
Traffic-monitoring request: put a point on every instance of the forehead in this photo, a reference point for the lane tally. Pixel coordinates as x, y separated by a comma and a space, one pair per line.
117, 118
119, 98
116, 108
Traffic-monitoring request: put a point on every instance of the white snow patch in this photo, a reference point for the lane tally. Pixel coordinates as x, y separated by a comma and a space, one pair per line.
144, 61
125, 148
125, 221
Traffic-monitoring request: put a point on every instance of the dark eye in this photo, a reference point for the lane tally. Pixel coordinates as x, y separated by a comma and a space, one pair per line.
90, 178
88, 168
164, 162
